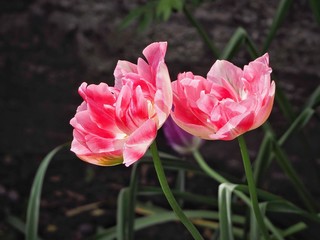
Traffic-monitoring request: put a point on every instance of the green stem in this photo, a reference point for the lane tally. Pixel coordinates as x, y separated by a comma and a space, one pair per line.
252, 187
132, 201
216, 176
168, 194
207, 169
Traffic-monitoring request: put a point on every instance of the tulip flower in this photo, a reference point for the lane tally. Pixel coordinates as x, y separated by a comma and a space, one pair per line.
115, 125
181, 141
226, 104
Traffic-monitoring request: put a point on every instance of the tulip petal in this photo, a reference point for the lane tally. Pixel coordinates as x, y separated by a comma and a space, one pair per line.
121, 70
235, 127
155, 53
138, 142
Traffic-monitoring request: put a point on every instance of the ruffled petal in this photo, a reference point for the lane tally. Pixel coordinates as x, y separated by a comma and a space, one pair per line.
138, 142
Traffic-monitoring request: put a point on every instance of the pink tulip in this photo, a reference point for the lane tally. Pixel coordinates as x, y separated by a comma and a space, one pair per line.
117, 124
230, 102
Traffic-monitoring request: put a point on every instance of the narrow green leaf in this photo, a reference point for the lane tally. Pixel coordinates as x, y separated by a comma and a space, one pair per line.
168, 194
163, 155
262, 161
146, 18
133, 15
298, 227
276, 234
232, 46
254, 228
186, 196
284, 104
225, 216
180, 184
203, 34
35, 194
167, 216
314, 99
293, 176
122, 213
284, 206
16, 223
282, 10
251, 186
163, 10
297, 124
132, 200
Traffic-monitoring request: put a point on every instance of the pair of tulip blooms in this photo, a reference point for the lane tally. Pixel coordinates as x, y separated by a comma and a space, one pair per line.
115, 125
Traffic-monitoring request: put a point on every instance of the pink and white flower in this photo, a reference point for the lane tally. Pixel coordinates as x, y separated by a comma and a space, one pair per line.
226, 104
115, 125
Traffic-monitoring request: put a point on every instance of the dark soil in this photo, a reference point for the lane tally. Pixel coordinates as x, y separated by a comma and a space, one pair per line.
48, 48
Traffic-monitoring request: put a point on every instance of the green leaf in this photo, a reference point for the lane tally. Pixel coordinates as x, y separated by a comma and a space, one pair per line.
132, 200
186, 196
144, 15
135, 14
234, 43
166, 216
239, 37
16, 223
297, 124
314, 99
289, 170
284, 104
146, 18
252, 186
122, 213
165, 8
263, 160
282, 10
225, 216
298, 227
169, 196
35, 194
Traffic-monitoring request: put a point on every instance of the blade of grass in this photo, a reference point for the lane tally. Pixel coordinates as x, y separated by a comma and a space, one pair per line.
35, 194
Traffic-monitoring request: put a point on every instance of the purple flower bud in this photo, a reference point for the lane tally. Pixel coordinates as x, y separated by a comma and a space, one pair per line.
181, 141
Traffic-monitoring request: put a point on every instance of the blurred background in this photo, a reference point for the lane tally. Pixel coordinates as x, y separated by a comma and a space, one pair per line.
49, 47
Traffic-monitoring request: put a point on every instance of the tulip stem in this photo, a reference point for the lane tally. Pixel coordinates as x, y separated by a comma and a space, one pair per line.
168, 194
207, 169
252, 187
